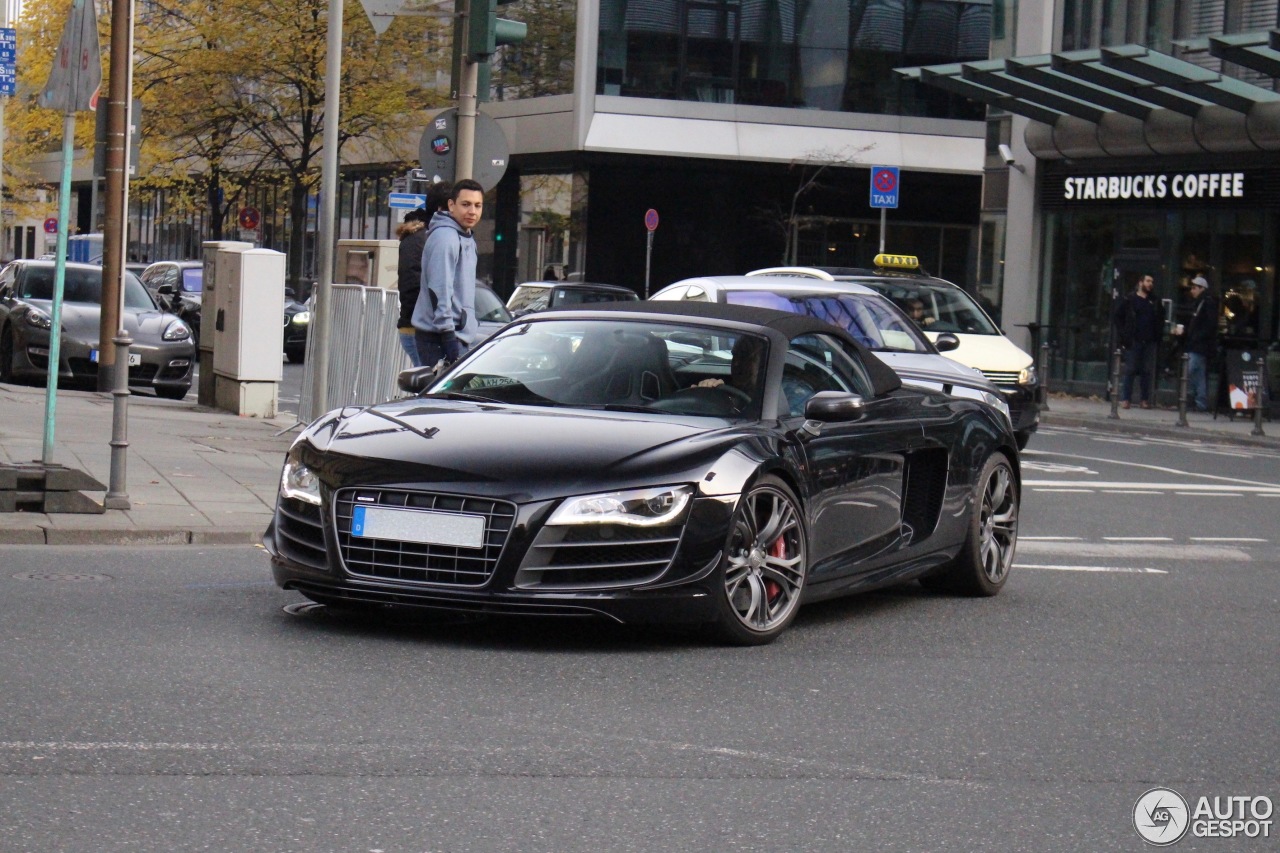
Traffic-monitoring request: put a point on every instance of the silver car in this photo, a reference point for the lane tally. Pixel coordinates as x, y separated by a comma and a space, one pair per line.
161, 357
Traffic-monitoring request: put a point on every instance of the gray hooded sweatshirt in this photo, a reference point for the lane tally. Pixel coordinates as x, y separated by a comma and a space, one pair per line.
447, 300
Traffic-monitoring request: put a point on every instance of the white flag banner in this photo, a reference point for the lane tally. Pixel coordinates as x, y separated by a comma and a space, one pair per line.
77, 65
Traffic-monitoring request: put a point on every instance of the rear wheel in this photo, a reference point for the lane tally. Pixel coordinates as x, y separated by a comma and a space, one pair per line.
762, 574
983, 564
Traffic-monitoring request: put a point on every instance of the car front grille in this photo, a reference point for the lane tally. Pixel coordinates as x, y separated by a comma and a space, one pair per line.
417, 562
300, 533
1002, 377
594, 556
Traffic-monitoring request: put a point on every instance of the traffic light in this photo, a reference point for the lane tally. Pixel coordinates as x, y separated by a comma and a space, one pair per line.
487, 32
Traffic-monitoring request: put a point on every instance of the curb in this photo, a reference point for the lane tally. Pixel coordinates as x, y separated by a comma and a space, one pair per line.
116, 538
1159, 430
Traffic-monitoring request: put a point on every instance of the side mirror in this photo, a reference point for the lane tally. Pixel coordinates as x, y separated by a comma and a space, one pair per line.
834, 406
416, 379
947, 342
165, 290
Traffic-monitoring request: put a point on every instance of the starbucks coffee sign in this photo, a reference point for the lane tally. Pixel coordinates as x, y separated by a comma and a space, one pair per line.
1181, 186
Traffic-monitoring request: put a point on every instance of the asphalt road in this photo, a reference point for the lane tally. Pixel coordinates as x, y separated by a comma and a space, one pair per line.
164, 699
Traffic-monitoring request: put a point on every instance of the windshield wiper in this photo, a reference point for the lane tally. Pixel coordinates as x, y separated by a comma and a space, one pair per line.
462, 395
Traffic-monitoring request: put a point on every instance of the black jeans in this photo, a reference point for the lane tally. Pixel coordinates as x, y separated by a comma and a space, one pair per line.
432, 347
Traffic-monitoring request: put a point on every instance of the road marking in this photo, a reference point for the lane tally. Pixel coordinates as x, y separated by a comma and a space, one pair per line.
1118, 441
1198, 488
1049, 538
1129, 492
1179, 551
1210, 494
1137, 539
1225, 539
1068, 491
1123, 570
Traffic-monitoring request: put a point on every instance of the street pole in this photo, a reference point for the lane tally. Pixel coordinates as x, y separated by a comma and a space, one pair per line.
113, 224
465, 160
328, 213
59, 284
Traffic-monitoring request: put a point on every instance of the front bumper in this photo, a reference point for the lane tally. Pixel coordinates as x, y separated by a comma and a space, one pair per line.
166, 366
1024, 405
310, 554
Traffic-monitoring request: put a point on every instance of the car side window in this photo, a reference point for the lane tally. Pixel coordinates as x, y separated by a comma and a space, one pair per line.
817, 362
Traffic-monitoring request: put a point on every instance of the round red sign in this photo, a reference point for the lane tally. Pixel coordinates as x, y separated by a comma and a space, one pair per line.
651, 219
51, 226
249, 218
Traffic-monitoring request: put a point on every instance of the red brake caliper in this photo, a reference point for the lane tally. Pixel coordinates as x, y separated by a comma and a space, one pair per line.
771, 587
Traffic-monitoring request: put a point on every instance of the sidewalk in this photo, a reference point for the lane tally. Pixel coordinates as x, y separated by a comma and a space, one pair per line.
203, 477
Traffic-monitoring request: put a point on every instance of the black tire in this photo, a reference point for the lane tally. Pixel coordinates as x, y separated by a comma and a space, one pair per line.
982, 566
6, 355
1022, 436
296, 355
173, 393
765, 562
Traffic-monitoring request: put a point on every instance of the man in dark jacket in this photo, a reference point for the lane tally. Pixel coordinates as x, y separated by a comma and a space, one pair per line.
1137, 321
413, 238
1201, 337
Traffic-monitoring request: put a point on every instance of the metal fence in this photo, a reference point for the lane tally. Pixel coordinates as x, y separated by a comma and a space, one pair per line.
365, 355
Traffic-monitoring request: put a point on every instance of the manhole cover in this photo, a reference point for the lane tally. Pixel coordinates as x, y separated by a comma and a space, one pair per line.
81, 577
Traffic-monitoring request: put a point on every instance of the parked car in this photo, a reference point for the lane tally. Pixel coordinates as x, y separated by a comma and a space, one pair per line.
947, 309
491, 314
177, 287
661, 461
541, 295
297, 325
160, 359
872, 319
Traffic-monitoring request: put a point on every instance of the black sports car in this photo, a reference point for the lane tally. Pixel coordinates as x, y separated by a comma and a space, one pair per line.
666, 462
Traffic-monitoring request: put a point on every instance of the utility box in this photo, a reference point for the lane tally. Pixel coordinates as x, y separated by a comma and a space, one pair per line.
248, 330
374, 263
205, 387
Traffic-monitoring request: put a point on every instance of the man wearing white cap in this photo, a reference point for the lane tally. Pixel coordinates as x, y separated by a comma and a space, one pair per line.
1201, 340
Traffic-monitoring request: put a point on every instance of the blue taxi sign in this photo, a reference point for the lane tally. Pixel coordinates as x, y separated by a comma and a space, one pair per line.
884, 186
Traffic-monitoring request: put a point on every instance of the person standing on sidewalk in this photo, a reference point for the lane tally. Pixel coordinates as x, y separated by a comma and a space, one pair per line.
1137, 322
1201, 340
413, 240
444, 320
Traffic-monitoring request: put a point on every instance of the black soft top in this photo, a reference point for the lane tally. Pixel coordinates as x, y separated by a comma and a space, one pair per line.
784, 323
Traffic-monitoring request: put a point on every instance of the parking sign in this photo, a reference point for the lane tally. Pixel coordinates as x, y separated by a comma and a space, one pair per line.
884, 186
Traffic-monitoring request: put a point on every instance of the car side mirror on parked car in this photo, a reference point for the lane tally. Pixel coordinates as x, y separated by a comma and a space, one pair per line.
946, 342
415, 380
834, 406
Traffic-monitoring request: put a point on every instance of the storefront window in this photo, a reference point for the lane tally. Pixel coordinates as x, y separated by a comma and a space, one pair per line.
821, 54
543, 63
552, 226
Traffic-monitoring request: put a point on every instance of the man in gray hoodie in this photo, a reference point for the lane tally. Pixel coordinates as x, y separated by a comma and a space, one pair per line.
444, 323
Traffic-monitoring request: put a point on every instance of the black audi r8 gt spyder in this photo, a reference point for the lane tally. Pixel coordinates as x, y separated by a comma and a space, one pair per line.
651, 462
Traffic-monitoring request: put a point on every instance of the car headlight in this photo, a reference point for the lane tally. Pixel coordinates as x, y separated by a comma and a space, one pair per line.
997, 401
39, 319
176, 331
635, 508
299, 482
1027, 375
301, 318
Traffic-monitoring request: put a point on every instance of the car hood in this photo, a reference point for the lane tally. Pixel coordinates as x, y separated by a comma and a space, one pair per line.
518, 452
994, 353
81, 321
932, 366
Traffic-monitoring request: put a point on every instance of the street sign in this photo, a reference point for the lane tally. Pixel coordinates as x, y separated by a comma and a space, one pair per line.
51, 225
249, 218
437, 150
406, 201
884, 186
8, 60
651, 219
77, 65
381, 13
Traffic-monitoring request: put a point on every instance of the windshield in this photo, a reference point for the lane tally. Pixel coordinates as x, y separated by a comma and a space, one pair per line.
192, 279
871, 320
82, 284
529, 296
585, 295
489, 308
936, 306
673, 368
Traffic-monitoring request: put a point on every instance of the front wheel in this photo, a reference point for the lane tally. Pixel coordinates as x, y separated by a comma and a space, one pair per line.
6, 355
762, 574
982, 566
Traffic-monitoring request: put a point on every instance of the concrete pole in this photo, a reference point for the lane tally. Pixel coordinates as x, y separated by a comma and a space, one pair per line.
117, 164
320, 320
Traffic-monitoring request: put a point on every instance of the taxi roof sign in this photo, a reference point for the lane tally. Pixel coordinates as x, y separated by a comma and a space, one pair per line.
897, 262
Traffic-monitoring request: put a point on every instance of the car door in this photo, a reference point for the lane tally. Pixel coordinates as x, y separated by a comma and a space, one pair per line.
856, 468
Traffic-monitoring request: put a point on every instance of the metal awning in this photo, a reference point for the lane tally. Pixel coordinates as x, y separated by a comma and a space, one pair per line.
1116, 88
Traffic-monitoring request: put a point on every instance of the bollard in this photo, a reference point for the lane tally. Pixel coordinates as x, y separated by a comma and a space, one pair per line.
1257, 417
117, 497
1183, 369
1044, 376
1115, 384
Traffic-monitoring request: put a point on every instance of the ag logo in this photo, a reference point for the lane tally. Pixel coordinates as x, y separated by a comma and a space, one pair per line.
1161, 816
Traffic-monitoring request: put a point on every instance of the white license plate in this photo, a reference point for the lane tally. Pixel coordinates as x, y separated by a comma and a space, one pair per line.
409, 525
135, 358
